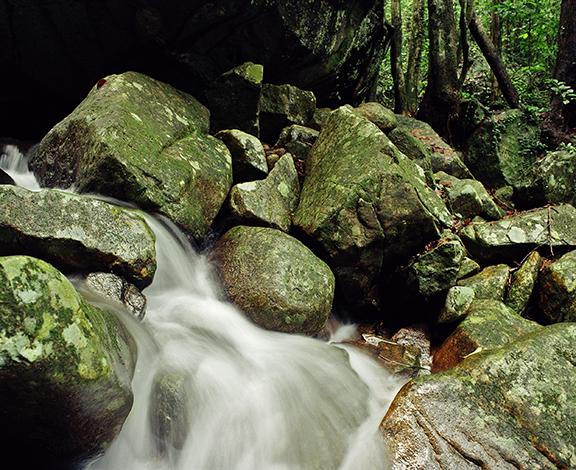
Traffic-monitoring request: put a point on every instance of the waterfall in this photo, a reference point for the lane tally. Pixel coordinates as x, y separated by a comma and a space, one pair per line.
213, 391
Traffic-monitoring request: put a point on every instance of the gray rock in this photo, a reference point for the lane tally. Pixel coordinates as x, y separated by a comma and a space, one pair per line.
248, 156
297, 140
490, 283
384, 118
457, 304
115, 288
522, 283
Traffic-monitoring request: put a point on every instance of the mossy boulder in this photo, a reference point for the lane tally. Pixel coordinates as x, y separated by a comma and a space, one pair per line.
488, 324
278, 282
555, 177
522, 283
298, 140
384, 118
248, 156
365, 203
412, 147
142, 141
513, 407
234, 99
557, 289
457, 304
77, 233
490, 283
270, 202
512, 238
65, 367
504, 149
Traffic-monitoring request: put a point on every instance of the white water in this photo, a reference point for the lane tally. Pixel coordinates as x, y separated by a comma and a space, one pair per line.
247, 399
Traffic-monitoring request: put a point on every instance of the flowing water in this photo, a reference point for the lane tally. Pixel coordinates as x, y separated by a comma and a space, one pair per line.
214, 392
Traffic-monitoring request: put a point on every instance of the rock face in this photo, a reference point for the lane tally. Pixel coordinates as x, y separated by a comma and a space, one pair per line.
76, 233
141, 141
513, 407
503, 150
234, 99
275, 279
364, 202
270, 202
557, 290
65, 367
514, 237
248, 156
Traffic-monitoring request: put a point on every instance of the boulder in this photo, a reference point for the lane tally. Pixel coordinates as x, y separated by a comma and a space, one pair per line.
298, 140
468, 197
319, 117
142, 141
234, 99
504, 149
248, 156
364, 203
468, 267
65, 368
443, 157
76, 233
283, 105
557, 289
513, 407
457, 304
555, 177
270, 202
522, 283
513, 237
488, 324
412, 147
278, 282
384, 118
490, 283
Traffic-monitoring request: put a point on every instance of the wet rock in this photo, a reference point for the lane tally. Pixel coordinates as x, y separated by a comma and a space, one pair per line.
557, 289
443, 157
248, 156
297, 140
457, 304
489, 324
282, 106
522, 283
115, 288
384, 118
65, 367
270, 202
504, 149
365, 203
412, 147
468, 197
418, 337
278, 282
5, 178
510, 408
142, 141
513, 237
77, 233
490, 283
234, 99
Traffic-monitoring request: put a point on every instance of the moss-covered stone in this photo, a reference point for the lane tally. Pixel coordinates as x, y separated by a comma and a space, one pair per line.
248, 155
298, 140
512, 238
412, 147
141, 141
319, 117
275, 279
457, 304
384, 118
65, 366
234, 99
513, 407
270, 202
364, 202
557, 289
468, 267
555, 176
490, 283
76, 233
468, 198
489, 324
503, 150
522, 283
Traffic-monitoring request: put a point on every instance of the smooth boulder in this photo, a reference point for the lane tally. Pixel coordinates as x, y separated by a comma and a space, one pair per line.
276, 280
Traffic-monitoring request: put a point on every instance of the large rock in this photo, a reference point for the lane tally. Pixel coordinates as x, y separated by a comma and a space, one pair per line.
490, 283
298, 140
522, 283
513, 407
248, 156
76, 233
412, 147
270, 202
65, 368
364, 202
512, 238
503, 150
275, 279
555, 177
557, 289
141, 141
383, 117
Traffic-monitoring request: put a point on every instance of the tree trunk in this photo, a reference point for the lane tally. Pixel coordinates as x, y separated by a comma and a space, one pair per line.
412, 77
564, 115
466, 10
396, 57
496, 38
491, 54
442, 96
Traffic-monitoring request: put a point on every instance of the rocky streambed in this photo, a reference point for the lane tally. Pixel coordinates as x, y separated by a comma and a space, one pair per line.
458, 267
